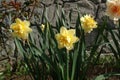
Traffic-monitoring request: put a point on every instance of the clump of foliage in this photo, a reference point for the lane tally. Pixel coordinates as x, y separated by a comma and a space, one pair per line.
60, 52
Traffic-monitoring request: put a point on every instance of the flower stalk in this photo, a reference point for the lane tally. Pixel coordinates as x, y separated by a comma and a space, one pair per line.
68, 58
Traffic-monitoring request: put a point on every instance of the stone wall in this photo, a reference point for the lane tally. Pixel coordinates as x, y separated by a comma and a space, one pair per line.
93, 7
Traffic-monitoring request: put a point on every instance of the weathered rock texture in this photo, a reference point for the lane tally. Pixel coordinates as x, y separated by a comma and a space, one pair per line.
94, 7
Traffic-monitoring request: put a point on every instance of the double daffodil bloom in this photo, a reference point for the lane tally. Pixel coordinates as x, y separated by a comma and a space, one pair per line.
113, 9
88, 23
66, 38
21, 29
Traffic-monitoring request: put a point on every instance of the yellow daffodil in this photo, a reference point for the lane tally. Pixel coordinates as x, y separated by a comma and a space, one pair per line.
42, 27
21, 29
113, 9
88, 23
66, 38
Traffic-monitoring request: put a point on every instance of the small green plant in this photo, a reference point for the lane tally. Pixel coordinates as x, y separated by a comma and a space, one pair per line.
50, 60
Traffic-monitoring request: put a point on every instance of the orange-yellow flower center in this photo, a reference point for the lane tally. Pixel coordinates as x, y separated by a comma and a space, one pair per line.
115, 9
64, 40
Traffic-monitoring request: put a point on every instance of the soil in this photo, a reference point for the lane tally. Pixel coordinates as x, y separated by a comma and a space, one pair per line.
98, 70
91, 74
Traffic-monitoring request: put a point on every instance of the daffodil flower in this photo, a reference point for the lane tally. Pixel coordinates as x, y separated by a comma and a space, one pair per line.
21, 28
88, 23
113, 9
66, 38
42, 27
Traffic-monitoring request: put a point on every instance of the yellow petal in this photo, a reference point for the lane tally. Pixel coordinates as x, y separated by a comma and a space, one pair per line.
63, 30
71, 32
18, 20
74, 39
57, 36
28, 30
12, 26
16, 27
70, 47
26, 23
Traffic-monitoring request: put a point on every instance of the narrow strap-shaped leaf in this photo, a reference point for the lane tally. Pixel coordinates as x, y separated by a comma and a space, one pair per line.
105, 76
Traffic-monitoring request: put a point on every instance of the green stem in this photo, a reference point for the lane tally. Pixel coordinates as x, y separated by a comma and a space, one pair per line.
74, 63
68, 65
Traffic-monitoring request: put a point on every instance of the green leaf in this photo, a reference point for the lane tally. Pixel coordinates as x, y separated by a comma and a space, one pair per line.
105, 76
19, 46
